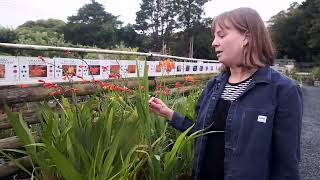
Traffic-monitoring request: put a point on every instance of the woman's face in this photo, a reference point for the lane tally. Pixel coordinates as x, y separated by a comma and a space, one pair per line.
228, 45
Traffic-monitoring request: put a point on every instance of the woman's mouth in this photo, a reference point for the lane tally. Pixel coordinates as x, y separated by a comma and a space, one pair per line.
218, 53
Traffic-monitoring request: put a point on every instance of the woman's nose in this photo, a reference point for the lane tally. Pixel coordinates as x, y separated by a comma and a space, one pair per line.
214, 43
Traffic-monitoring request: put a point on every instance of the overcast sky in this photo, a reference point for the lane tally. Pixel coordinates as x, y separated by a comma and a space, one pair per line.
16, 12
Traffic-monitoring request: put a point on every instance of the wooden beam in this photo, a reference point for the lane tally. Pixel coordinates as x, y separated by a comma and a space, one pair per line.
14, 142
11, 167
16, 94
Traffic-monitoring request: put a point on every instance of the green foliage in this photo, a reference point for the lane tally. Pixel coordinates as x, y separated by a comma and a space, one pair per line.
92, 26
96, 26
316, 73
190, 12
112, 135
26, 35
7, 35
51, 25
296, 31
187, 105
122, 47
202, 41
159, 18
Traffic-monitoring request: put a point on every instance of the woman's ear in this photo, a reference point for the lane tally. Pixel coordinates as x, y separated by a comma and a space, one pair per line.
246, 39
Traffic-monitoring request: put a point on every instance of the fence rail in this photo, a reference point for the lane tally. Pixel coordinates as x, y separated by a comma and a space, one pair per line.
100, 51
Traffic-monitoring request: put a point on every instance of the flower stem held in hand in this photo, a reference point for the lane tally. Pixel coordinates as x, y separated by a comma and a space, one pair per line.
160, 108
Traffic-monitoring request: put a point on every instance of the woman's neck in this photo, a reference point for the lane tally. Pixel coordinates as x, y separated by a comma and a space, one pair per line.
239, 74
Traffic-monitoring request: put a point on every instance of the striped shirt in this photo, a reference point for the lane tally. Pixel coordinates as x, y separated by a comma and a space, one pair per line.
233, 90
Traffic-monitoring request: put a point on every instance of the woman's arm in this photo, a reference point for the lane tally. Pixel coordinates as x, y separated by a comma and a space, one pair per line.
182, 123
286, 136
175, 119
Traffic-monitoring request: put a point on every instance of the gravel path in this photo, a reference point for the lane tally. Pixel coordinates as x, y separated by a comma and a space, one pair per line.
310, 142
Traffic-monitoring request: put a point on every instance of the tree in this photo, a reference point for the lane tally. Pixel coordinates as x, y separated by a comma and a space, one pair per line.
128, 36
92, 26
202, 41
7, 35
157, 17
52, 25
189, 15
296, 31
190, 12
41, 32
311, 9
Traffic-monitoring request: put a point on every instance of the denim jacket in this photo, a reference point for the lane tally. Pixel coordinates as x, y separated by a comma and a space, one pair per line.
262, 131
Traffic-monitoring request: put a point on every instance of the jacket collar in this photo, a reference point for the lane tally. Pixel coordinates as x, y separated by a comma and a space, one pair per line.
262, 75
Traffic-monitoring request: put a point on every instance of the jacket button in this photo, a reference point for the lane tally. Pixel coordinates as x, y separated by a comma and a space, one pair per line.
213, 98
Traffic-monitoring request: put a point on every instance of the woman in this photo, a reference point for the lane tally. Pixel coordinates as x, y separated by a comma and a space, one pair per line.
259, 109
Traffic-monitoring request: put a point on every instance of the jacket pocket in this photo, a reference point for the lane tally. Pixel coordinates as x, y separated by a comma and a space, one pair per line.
254, 142
256, 129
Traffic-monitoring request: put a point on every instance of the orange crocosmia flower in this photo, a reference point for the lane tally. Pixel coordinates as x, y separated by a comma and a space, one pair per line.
161, 63
46, 84
50, 85
57, 92
168, 64
158, 86
114, 75
111, 75
166, 91
24, 86
95, 81
104, 85
54, 85
178, 85
72, 90
142, 88
188, 78
84, 81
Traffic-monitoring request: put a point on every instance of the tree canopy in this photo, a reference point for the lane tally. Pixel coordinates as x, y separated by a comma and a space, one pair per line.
296, 31
175, 27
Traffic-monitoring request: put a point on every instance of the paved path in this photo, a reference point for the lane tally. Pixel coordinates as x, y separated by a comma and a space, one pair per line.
310, 142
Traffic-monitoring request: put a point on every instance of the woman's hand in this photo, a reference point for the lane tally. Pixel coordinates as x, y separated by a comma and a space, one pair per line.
157, 106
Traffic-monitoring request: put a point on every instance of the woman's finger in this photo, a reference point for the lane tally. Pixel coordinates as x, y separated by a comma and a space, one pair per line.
158, 101
151, 99
156, 106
